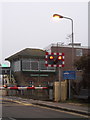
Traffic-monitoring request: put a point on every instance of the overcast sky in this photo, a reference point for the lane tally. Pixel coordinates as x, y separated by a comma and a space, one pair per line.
30, 25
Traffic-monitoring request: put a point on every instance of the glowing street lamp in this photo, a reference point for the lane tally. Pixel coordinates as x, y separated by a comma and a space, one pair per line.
57, 16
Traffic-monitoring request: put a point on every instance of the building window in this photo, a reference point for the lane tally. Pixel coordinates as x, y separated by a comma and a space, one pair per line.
25, 65
79, 52
17, 66
34, 65
42, 65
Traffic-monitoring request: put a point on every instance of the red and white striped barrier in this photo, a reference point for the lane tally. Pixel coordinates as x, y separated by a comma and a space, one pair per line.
23, 88
1, 88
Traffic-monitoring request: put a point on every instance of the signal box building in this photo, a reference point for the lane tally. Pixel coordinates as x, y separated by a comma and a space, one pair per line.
28, 68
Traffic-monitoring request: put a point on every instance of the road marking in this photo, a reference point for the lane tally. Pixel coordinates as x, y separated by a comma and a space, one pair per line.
21, 102
86, 116
17, 101
11, 118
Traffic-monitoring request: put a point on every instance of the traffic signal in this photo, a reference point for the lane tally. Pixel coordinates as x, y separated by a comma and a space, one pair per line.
59, 57
54, 59
51, 59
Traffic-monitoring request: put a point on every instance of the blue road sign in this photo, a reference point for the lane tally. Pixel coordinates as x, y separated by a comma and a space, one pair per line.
69, 75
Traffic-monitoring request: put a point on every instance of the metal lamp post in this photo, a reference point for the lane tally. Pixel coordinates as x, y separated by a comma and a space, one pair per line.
60, 16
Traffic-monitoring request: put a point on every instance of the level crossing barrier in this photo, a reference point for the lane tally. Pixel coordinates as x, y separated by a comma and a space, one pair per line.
22, 88
41, 93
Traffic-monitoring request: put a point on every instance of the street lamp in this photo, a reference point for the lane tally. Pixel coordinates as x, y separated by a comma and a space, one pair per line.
57, 16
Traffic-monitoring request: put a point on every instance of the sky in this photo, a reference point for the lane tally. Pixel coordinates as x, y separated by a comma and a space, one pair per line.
30, 25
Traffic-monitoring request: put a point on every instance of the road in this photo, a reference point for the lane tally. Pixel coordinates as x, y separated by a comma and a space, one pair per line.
12, 111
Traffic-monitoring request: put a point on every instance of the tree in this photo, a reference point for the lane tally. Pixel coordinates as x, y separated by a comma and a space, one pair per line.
84, 64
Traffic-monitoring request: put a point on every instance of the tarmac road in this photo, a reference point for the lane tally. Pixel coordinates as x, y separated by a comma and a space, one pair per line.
13, 110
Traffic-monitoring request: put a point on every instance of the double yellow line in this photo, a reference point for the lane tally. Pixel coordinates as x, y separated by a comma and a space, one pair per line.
16, 101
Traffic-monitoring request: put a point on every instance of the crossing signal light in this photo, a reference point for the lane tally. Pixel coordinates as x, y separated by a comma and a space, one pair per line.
51, 57
5, 86
59, 57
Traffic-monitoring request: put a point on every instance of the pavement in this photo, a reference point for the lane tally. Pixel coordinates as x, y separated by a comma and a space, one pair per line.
71, 107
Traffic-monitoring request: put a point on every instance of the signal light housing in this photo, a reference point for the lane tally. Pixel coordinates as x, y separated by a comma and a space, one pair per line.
54, 59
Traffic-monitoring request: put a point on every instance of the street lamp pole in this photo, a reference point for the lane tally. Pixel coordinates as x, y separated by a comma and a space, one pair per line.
72, 40
60, 16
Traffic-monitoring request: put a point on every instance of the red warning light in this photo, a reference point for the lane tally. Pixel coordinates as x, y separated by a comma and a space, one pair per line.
59, 57
5, 86
51, 57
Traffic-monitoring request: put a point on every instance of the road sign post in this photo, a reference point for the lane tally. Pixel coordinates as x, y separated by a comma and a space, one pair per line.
59, 72
69, 75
